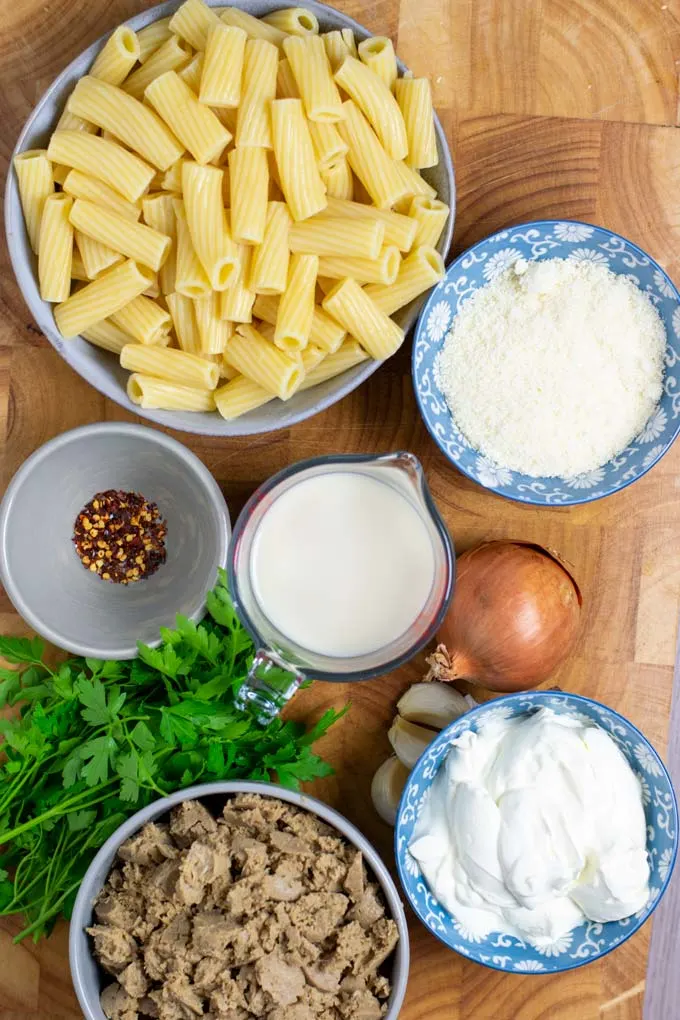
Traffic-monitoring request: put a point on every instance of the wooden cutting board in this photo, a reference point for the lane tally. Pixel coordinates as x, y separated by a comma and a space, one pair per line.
554, 108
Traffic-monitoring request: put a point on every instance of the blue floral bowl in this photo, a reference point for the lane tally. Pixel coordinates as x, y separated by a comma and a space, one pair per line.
545, 239
591, 940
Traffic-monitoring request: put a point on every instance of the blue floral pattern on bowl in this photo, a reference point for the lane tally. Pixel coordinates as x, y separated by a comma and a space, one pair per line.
479, 265
590, 940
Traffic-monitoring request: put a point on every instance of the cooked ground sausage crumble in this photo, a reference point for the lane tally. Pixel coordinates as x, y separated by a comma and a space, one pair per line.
265, 912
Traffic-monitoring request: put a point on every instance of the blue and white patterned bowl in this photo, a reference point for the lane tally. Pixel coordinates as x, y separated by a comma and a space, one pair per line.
591, 940
544, 239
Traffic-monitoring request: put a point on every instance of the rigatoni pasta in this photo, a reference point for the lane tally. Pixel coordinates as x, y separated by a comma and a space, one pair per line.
361, 317
299, 175
96, 257
325, 332
195, 125
132, 123
172, 179
213, 330
59, 174
191, 278
260, 68
376, 102
399, 230
329, 147
347, 356
422, 269
269, 263
167, 363
144, 320
117, 57
107, 161
106, 335
206, 218
296, 306
240, 395
337, 48
237, 174
414, 184
236, 303
34, 177
223, 66
368, 159
193, 21
328, 235
383, 270
192, 73
249, 184
101, 298
261, 361
135, 240
377, 53
430, 216
69, 122
159, 213
338, 180
314, 78
253, 27
77, 266
55, 249
79, 185
151, 37
172, 55
149, 392
182, 310
414, 96
286, 86
296, 21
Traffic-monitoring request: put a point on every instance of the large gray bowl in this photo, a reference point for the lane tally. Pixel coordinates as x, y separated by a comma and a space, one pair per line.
40, 569
102, 369
86, 975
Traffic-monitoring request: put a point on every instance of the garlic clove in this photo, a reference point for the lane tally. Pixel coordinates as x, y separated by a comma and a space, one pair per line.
432, 704
386, 788
408, 740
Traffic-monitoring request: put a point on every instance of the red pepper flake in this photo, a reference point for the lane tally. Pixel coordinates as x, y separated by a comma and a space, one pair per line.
130, 536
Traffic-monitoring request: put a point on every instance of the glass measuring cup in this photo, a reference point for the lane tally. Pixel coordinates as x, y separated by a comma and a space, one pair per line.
280, 665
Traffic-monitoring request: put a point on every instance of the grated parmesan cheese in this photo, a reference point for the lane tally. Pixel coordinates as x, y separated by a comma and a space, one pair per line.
553, 367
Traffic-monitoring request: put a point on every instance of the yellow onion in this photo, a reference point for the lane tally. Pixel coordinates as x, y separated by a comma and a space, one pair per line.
513, 619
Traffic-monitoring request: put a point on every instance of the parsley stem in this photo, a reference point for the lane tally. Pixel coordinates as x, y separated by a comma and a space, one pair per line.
66, 808
47, 915
17, 784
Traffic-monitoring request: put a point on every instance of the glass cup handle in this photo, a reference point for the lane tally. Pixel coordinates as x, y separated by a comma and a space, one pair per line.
270, 684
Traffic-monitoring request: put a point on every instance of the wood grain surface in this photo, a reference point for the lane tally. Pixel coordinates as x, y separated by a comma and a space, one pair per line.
564, 108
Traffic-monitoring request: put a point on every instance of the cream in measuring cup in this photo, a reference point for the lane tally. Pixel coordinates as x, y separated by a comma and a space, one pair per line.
341, 568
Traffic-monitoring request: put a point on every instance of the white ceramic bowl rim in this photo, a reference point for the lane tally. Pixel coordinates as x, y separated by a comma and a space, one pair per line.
93, 881
577, 699
33, 462
210, 423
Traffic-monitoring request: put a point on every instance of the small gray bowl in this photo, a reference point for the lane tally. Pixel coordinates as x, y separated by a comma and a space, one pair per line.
86, 975
41, 571
100, 368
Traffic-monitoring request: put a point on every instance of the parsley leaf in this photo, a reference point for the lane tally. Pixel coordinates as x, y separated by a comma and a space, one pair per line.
97, 739
17, 649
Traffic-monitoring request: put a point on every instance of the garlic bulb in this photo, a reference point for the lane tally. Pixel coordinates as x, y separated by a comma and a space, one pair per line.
431, 704
386, 788
422, 711
409, 740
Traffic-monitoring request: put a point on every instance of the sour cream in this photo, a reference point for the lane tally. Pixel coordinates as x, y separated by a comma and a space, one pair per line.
534, 824
342, 564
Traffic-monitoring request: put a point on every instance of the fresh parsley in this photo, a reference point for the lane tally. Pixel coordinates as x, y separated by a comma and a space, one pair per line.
91, 742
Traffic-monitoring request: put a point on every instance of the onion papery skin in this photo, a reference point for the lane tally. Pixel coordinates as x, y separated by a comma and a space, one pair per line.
514, 617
